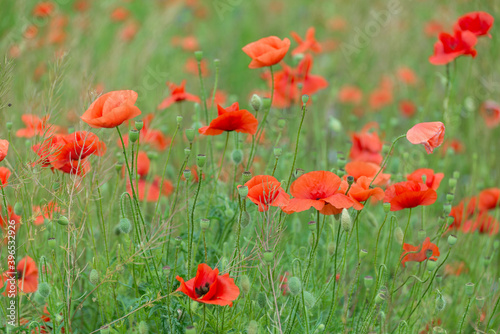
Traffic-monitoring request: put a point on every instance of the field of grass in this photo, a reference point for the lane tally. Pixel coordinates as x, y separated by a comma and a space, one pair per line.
230, 166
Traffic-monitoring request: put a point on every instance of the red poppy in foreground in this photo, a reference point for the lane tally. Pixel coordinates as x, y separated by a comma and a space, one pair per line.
409, 194
209, 287
449, 47
490, 111
4, 148
177, 94
431, 180
266, 51
430, 134
27, 277
265, 191
231, 118
478, 23
308, 44
112, 109
321, 190
420, 253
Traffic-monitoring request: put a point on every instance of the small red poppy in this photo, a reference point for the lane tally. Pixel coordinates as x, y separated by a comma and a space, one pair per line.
266, 51
431, 180
489, 199
231, 118
349, 94
430, 134
366, 145
409, 194
490, 111
449, 47
4, 148
177, 94
4, 176
266, 191
308, 44
420, 253
478, 23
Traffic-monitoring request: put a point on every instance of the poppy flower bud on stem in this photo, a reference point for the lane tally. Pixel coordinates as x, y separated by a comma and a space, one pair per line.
52, 243
201, 159
190, 135
44, 289
198, 55
431, 264
125, 226
94, 277
312, 226
452, 183
345, 220
450, 198
277, 152
18, 208
245, 284
469, 289
62, 220
363, 253
387, 207
305, 98
331, 248
399, 235
266, 103
256, 102
187, 152
440, 303
379, 298
237, 156
143, 327
294, 285
133, 135
139, 124
245, 219
456, 174
281, 123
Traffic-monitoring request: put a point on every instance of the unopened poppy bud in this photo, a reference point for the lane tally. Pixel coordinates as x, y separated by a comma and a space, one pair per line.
305, 98
190, 330
399, 235
125, 225
320, 328
143, 327
105, 330
277, 152
94, 277
253, 327
198, 55
298, 172
452, 183
450, 197
187, 174
309, 299
350, 180
266, 103
281, 123
187, 152
237, 156
452, 240
245, 219
18, 208
440, 303
363, 253
133, 135
331, 248
179, 120
201, 159
431, 264
246, 176
421, 234
368, 282
204, 224
245, 284
439, 278
268, 256
62, 220
262, 300
456, 174
190, 135
294, 285
243, 191
39, 299
8, 125
335, 124
52, 243
152, 155
480, 302
345, 220
469, 289
312, 226
256, 102
447, 209
139, 125
229, 212
379, 298
44, 289
387, 207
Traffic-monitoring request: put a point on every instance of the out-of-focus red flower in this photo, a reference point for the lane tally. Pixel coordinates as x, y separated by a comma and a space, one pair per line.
143, 164
366, 145
27, 277
188, 43
409, 194
220, 98
266, 191
490, 111
488, 199
128, 31
231, 118
407, 75
120, 14
150, 191
358, 169
350, 94
455, 268
283, 282
5, 221
4, 176
47, 211
455, 144
81, 5
209, 287
420, 253
308, 44
407, 108
191, 67
36, 126
429, 134
177, 94
4, 148
30, 32
449, 47
478, 23
337, 23
481, 222
431, 180
43, 9
267, 51
433, 28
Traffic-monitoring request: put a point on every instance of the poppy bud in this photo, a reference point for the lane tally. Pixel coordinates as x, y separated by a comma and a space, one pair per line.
44, 289
190, 330
331, 248
125, 226
204, 224
187, 174
321, 328
201, 159
133, 135
440, 303
246, 176
486, 260
309, 299
190, 135
143, 328
229, 212
266, 103
379, 298
52, 243
298, 172
245, 219
431, 264
262, 300
447, 209
450, 197
94, 277
62, 220
452, 183
243, 191
237, 156
179, 120
368, 282
387, 207
8, 125
39, 299
362, 253
452, 240
256, 102
469, 289
139, 124
198, 55
340, 160
456, 174
18, 208
253, 327
245, 284
399, 235
335, 124
105, 330
277, 152
187, 152
312, 226
305, 98
281, 123
294, 285
27, 143
268, 256
345, 220
152, 155
439, 278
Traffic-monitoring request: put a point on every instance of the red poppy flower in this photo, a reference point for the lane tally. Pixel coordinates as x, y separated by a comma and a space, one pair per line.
450, 47
265, 191
463, 212
4, 222
430, 134
120, 14
380, 98
177, 94
209, 287
409, 194
361, 191
366, 146
150, 191
36, 126
407, 75
455, 144
478, 23
407, 108
188, 43
489, 199
191, 67
350, 95
128, 32
469, 222
231, 118
112, 109
4, 176
420, 253
431, 180
267, 51
490, 111
357, 169
433, 28
4, 148
321, 190
309, 44
27, 276
43, 9
143, 164
45, 212
220, 98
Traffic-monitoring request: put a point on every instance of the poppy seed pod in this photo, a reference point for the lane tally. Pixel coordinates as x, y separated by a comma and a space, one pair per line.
266, 103
39, 299
469, 289
331, 248
190, 330
281, 123
368, 282
480, 302
452, 240
363, 253
268, 256
198, 55
262, 300
187, 174
253, 327
387, 207
447, 209
294, 285
187, 152
201, 159
133, 135
178, 241
94, 277
450, 197
124, 225
256, 102
246, 176
8, 125
44, 289
52, 243
305, 98
143, 327
27, 143
139, 125
245, 284
345, 220
190, 135
204, 224
298, 172
440, 303
379, 298
431, 264
312, 226
237, 156
456, 174
18, 208
452, 183
277, 152
179, 120
243, 191
245, 219
350, 180
62, 220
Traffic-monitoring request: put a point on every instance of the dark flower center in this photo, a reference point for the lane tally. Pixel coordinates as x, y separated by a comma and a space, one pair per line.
202, 290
